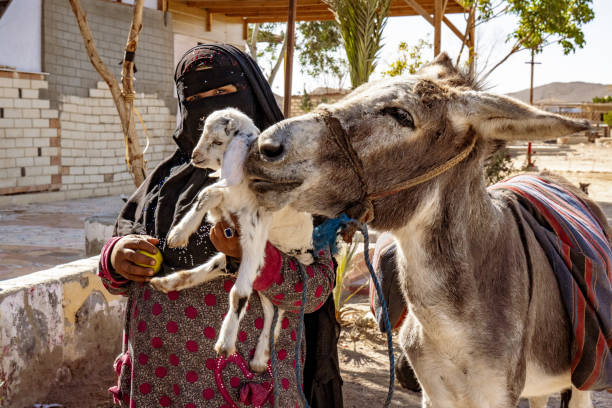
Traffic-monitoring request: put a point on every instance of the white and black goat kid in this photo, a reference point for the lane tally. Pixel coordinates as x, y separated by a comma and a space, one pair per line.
223, 147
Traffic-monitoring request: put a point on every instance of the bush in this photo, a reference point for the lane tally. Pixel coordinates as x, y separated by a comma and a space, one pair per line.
499, 167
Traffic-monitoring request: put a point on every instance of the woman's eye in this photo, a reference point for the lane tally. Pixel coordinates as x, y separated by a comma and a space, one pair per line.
220, 91
404, 118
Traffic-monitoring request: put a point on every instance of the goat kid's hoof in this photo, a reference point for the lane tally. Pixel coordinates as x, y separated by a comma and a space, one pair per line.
162, 284
177, 239
258, 366
224, 349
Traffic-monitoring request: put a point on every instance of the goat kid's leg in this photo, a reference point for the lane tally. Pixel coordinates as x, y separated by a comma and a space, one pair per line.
189, 278
580, 399
180, 233
253, 238
538, 402
259, 362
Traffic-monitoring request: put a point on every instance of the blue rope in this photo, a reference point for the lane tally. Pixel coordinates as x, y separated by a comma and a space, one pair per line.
366, 253
298, 366
273, 357
325, 235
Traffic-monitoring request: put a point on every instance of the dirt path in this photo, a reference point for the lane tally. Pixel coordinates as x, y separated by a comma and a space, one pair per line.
364, 366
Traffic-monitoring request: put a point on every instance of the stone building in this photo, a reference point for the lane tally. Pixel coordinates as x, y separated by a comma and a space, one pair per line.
60, 135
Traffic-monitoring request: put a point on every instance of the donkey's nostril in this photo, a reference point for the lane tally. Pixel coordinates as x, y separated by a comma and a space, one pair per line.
272, 151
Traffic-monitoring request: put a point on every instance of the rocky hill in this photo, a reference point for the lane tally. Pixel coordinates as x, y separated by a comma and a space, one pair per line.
564, 92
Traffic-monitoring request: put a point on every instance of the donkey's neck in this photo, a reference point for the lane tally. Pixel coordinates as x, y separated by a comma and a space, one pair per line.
444, 240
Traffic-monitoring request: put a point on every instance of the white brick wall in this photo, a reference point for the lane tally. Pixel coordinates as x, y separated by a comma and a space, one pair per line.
25, 165
86, 155
92, 143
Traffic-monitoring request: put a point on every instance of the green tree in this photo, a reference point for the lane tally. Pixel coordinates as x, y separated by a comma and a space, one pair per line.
539, 23
320, 50
410, 58
318, 45
604, 99
361, 23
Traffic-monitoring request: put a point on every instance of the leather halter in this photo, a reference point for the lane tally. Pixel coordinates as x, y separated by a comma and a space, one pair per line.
363, 210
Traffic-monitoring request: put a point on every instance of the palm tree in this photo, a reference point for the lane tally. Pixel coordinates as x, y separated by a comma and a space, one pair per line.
362, 23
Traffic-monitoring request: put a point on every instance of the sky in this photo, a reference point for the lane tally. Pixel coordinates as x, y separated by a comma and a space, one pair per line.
593, 63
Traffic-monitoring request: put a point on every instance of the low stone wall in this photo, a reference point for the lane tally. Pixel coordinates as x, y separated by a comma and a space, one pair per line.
55, 325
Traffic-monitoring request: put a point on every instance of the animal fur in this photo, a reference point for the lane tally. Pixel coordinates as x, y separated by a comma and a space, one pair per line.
223, 147
473, 334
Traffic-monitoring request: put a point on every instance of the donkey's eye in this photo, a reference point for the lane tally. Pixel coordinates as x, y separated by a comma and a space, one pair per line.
404, 118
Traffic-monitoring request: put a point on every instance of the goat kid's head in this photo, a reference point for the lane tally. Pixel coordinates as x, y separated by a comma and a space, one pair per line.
400, 128
223, 133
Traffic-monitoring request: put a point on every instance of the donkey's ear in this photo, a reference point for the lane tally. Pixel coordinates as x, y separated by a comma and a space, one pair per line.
505, 118
439, 69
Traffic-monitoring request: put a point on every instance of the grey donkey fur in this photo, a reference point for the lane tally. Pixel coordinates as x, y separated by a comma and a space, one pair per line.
473, 334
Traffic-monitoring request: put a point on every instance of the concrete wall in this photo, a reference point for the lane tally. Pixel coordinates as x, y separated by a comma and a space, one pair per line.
65, 58
75, 152
297, 102
55, 325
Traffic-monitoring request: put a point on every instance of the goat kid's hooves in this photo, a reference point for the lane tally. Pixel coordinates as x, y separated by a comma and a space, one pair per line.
160, 285
176, 241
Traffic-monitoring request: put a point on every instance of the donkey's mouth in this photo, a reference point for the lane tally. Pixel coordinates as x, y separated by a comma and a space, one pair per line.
262, 185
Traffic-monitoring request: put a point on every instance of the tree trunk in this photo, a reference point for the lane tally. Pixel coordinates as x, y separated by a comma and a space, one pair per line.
124, 100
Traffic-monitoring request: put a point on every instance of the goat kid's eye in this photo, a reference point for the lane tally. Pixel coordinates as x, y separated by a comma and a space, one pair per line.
217, 143
404, 118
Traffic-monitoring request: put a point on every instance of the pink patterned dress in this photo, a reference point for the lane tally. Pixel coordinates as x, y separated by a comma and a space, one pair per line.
168, 358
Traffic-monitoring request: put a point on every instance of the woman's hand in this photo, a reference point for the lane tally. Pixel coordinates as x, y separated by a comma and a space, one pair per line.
227, 238
124, 257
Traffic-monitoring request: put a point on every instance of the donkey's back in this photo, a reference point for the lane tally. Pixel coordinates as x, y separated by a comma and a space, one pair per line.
565, 240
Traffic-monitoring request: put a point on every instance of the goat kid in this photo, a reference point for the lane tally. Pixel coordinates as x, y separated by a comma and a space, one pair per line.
223, 147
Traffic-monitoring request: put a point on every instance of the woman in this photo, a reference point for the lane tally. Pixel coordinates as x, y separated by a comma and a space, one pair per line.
168, 357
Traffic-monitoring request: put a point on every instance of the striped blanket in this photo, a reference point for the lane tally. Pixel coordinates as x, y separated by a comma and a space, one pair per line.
580, 255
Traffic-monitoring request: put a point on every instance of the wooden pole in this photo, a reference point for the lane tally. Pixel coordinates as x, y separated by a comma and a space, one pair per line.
531, 82
289, 57
123, 98
472, 40
438, 13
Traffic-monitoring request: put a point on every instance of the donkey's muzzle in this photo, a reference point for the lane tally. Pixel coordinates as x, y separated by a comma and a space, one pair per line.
271, 146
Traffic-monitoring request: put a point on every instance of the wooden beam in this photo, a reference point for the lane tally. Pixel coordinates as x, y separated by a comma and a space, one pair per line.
208, 20
417, 7
452, 27
245, 29
181, 8
438, 13
289, 57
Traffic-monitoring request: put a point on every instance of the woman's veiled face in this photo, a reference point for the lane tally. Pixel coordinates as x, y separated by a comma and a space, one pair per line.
222, 90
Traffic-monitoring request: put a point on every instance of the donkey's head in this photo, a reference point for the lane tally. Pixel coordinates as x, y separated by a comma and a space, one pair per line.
396, 130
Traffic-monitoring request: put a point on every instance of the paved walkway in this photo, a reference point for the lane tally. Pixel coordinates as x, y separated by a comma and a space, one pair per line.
35, 237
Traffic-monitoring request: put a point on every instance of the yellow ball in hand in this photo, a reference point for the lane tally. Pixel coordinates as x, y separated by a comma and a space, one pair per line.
156, 256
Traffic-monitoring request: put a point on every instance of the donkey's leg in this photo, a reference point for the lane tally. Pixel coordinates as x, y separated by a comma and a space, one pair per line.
538, 402
259, 362
180, 233
189, 278
253, 238
580, 399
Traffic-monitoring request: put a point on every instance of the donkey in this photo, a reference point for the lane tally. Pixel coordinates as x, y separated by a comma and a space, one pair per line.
223, 147
474, 334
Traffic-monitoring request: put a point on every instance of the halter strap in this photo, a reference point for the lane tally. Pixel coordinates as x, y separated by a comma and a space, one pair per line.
363, 210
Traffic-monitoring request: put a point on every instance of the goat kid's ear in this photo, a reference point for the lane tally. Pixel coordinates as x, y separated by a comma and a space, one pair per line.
504, 118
